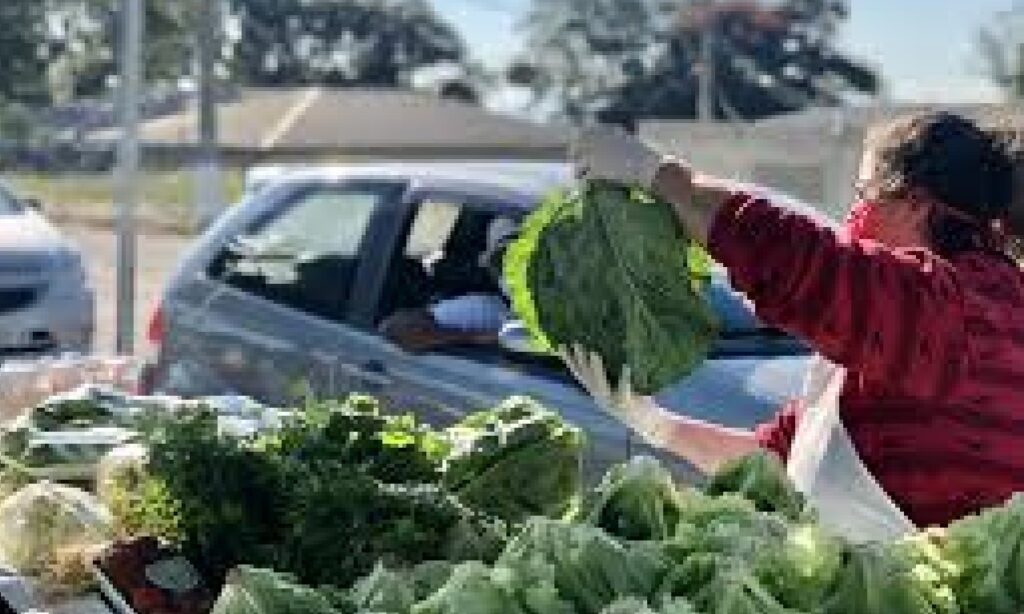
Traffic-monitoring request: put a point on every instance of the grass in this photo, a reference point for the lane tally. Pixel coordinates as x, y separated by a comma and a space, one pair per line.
166, 198
156, 187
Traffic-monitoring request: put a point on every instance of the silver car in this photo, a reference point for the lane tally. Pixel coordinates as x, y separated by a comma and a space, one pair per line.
46, 304
284, 296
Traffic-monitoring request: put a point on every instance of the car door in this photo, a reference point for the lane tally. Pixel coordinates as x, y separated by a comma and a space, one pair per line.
269, 310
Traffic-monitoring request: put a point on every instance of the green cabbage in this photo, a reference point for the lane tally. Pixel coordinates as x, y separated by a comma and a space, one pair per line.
761, 478
608, 268
637, 500
476, 589
384, 591
983, 561
591, 568
802, 571
250, 590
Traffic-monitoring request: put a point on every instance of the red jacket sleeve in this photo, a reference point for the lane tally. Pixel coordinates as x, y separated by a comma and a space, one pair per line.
894, 318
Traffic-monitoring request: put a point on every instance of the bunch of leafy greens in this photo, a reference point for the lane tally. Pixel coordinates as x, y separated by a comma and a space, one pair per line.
389, 590
341, 524
325, 498
726, 555
217, 498
637, 500
591, 568
250, 590
515, 461
355, 433
982, 556
760, 477
607, 268
474, 588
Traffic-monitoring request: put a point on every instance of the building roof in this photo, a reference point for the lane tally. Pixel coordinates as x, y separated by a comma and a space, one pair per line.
350, 119
859, 117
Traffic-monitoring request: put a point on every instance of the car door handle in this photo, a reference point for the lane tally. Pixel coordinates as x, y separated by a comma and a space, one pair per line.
373, 372
374, 366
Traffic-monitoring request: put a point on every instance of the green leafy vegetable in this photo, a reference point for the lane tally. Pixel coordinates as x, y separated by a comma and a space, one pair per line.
760, 477
342, 524
260, 591
608, 268
326, 498
591, 568
384, 591
982, 559
515, 461
801, 572
390, 448
637, 500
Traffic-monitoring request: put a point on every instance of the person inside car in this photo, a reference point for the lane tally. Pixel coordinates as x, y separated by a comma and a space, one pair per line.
472, 319
912, 414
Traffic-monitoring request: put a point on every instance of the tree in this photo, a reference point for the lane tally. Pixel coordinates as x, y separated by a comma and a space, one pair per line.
602, 59
1001, 48
23, 53
83, 35
339, 42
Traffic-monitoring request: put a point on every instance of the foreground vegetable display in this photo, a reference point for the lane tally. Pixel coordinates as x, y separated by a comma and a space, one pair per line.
725, 554
343, 487
625, 298
343, 509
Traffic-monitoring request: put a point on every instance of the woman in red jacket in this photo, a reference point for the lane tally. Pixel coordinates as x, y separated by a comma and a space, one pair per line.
914, 411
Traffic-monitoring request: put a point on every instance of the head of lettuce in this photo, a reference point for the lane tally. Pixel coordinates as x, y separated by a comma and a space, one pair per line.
608, 268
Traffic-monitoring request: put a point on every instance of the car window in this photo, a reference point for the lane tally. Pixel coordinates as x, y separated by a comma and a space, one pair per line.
431, 228
438, 258
305, 256
438, 265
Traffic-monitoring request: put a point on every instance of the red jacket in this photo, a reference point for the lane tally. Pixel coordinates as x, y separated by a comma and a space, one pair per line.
934, 348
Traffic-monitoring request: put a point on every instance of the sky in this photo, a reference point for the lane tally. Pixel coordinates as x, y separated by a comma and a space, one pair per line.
925, 49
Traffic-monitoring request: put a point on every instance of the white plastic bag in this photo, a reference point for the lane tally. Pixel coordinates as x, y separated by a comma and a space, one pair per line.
123, 467
42, 518
25, 384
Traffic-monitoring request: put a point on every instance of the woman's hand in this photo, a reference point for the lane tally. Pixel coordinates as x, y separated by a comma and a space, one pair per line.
705, 445
601, 152
640, 413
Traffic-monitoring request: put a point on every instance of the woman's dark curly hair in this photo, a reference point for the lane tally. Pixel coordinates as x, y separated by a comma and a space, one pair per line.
955, 162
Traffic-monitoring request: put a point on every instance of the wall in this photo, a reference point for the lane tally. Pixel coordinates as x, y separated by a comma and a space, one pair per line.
816, 166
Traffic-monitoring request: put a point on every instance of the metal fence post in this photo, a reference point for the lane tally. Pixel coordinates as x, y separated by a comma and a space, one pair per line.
130, 92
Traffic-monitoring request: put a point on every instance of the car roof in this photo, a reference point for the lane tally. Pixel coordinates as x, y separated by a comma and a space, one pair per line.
522, 183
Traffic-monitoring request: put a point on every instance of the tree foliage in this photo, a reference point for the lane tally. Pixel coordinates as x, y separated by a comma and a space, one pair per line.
23, 57
1001, 49
624, 60
84, 37
60, 49
339, 42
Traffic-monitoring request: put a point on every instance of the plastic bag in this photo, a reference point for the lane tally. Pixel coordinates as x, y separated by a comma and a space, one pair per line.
122, 468
59, 455
26, 384
43, 518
